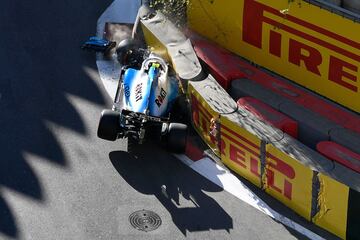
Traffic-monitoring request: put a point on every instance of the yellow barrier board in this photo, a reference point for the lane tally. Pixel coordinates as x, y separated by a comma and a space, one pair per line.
314, 47
288, 181
240, 151
202, 116
156, 45
333, 206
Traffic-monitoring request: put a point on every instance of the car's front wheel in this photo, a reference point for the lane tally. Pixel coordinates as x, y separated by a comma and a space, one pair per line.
128, 52
109, 125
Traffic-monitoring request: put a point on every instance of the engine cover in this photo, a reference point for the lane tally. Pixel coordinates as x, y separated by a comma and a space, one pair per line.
149, 90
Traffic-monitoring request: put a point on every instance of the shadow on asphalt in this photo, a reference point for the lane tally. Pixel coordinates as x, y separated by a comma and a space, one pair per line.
147, 171
41, 64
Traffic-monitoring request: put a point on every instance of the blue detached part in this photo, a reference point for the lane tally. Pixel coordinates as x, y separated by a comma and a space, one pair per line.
98, 44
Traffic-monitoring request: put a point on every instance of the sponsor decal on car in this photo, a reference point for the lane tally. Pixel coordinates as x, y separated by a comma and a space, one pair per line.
138, 92
160, 98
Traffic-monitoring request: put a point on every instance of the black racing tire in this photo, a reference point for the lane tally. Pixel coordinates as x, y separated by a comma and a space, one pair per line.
109, 48
180, 110
109, 125
176, 137
124, 47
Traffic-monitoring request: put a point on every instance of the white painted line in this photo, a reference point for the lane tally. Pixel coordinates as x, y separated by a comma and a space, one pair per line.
226, 180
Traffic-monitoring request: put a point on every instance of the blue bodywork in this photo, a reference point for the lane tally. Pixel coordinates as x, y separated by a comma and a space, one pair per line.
149, 92
136, 93
98, 44
97, 41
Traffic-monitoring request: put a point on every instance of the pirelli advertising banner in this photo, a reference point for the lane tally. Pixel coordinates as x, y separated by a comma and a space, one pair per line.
288, 181
277, 173
307, 44
315, 196
240, 151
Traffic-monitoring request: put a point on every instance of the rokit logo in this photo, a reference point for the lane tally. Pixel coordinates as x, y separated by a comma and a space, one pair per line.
138, 92
161, 97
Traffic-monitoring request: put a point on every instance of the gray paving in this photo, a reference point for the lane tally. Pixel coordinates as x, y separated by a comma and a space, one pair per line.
57, 180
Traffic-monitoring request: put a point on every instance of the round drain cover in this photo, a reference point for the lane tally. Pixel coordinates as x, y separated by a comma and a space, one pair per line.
145, 220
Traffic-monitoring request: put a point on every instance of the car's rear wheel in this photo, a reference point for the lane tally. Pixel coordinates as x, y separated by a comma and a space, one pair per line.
109, 125
176, 136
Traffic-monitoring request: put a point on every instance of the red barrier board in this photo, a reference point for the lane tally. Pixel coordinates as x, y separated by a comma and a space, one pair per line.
226, 66
193, 149
222, 63
340, 154
269, 115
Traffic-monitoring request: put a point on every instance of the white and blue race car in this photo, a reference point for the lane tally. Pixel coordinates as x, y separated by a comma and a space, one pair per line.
143, 102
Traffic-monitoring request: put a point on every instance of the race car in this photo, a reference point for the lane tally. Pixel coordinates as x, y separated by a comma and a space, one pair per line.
143, 102
98, 45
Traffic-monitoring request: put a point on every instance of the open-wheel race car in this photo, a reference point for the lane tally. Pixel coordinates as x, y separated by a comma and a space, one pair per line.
143, 102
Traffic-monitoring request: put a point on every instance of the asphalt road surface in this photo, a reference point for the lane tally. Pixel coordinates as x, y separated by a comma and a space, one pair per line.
57, 179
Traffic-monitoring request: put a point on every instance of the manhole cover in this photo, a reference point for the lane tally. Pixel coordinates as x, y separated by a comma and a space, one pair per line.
145, 220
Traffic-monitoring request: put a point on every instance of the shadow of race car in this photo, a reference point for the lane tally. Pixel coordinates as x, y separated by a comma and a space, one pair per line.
146, 92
